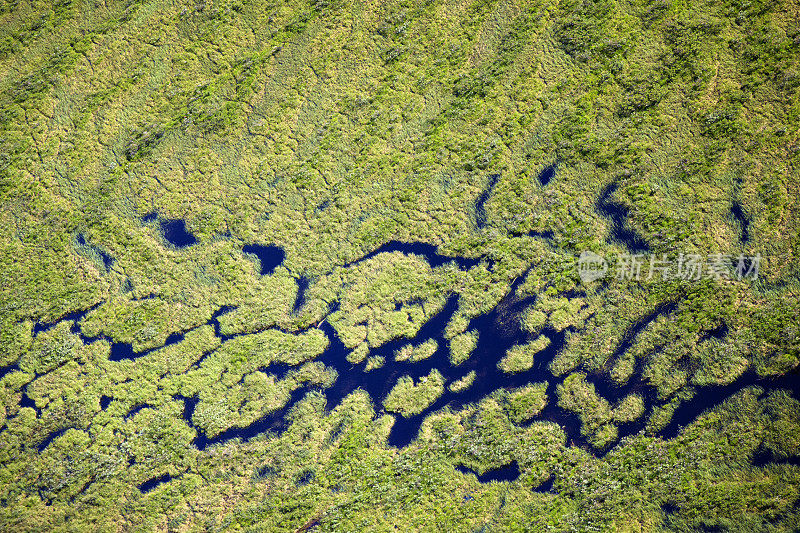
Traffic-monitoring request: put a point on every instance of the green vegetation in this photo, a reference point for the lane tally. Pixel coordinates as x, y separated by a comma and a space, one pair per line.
533, 320
330, 128
461, 346
463, 383
374, 361
416, 353
527, 402
409, 398
520, 357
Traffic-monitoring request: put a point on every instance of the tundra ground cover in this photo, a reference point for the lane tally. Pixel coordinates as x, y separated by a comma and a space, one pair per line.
156, 376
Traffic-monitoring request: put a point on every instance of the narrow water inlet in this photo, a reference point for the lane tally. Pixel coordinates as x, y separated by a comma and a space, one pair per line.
504, 473
480, 203
150, 484
742, 221
300, 299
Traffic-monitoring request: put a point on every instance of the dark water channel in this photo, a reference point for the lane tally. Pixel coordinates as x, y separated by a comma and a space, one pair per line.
497, 330
742, 221
480, 203
150, 484
428, 251
300, 299
506, 473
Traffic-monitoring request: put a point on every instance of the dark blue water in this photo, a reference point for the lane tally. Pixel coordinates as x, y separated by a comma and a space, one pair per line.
669, 508
215, 320
719, 333
743, 221
546, 235
480, 203
189, 405
176, 234
279, 370
498, 330
547, 486
121, 351
547, 174
105, 401
173, 338
150, 484
636, 384
50, 438
304, 478
506, 473
273, 422
704, 399
300, 299
75, 316
270, 257
428, 251
763, 457
26, 401
707, 397
618, 214
174, 230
